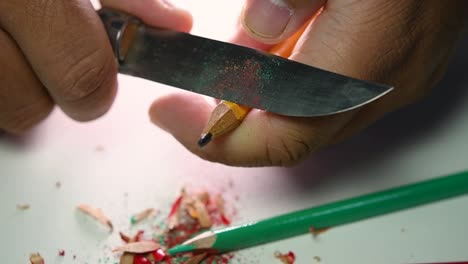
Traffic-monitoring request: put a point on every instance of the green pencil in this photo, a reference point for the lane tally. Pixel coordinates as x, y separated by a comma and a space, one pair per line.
326, 216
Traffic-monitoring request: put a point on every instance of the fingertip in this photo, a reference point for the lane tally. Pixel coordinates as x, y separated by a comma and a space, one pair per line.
181, 114
158, 13
96, 103
241, 37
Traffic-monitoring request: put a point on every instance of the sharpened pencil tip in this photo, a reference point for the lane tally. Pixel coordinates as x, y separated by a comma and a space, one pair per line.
205, 139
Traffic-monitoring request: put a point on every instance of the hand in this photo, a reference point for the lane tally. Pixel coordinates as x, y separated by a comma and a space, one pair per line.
57, 52
404, 43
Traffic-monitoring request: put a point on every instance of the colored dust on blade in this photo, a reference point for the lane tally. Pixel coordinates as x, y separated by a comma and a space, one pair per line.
190, 214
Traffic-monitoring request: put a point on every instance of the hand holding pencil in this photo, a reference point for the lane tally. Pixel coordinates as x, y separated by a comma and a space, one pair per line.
367, 40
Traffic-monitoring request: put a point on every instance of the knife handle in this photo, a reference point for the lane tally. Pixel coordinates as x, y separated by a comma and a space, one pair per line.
121, 29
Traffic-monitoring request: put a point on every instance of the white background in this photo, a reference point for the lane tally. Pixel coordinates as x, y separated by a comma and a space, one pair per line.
140, 166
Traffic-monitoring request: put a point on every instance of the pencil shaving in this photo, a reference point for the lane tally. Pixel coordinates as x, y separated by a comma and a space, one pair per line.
196, 259
23, 207
36, 258
287, 258
127, 239
127, 258
220, 203
195, 205
138, 247
97, 214
204, 197
202, 214
124, 237
147, 213
315, 232
173, 219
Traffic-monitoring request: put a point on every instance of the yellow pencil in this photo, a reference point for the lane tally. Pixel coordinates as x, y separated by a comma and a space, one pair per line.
227, 116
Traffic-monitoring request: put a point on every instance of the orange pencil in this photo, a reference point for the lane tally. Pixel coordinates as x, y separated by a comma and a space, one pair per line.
227, 116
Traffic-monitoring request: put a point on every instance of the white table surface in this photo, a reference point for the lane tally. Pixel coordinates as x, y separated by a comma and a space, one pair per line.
140, 166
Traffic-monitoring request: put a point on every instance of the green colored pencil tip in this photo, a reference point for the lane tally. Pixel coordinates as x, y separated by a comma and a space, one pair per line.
180, 249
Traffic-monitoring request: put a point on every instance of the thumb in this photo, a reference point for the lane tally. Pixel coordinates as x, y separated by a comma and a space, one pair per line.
271, 21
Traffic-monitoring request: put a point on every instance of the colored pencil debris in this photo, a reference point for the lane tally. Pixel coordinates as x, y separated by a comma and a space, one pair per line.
197, 259
287, 258
23, 207
138, 247
61, 253
318, 231
97, 214
145, 214
190, 214
36, 258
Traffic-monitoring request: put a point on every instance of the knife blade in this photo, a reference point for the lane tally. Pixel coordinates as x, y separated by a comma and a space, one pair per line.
231, 72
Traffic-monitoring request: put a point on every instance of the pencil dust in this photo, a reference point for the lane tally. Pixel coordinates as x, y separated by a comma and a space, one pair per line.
97, 214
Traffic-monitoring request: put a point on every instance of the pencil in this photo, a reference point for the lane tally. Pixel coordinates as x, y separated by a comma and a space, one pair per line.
227, 116
326, 216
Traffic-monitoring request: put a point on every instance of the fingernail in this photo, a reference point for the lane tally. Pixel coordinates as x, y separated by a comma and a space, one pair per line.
267, 18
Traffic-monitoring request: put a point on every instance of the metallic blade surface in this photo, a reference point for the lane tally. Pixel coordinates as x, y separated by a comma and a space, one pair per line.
242, 75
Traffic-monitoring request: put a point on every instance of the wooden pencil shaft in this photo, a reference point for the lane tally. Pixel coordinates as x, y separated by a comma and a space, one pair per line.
223, 119
341, 212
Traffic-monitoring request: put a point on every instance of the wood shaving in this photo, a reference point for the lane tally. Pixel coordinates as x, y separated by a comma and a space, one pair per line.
143, 215
138, 247
23, 207
128, 239
319, 231
202, 214
36, 258
124, 237
127, 258
220, 203
196, 259
204, 197
173, 220
97, 214
287, 258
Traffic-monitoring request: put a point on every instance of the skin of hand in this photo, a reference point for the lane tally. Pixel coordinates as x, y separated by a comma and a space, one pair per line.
58, 53
403, 43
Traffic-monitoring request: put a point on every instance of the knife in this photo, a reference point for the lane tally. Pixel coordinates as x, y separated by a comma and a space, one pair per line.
232, 72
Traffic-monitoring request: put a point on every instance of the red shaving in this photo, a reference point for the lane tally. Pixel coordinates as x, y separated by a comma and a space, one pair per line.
288, 258
139, 259
225, 220
159, 255
175, 206
61, 253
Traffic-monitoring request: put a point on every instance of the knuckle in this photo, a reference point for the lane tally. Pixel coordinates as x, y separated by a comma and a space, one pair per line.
83, 78
287, 150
